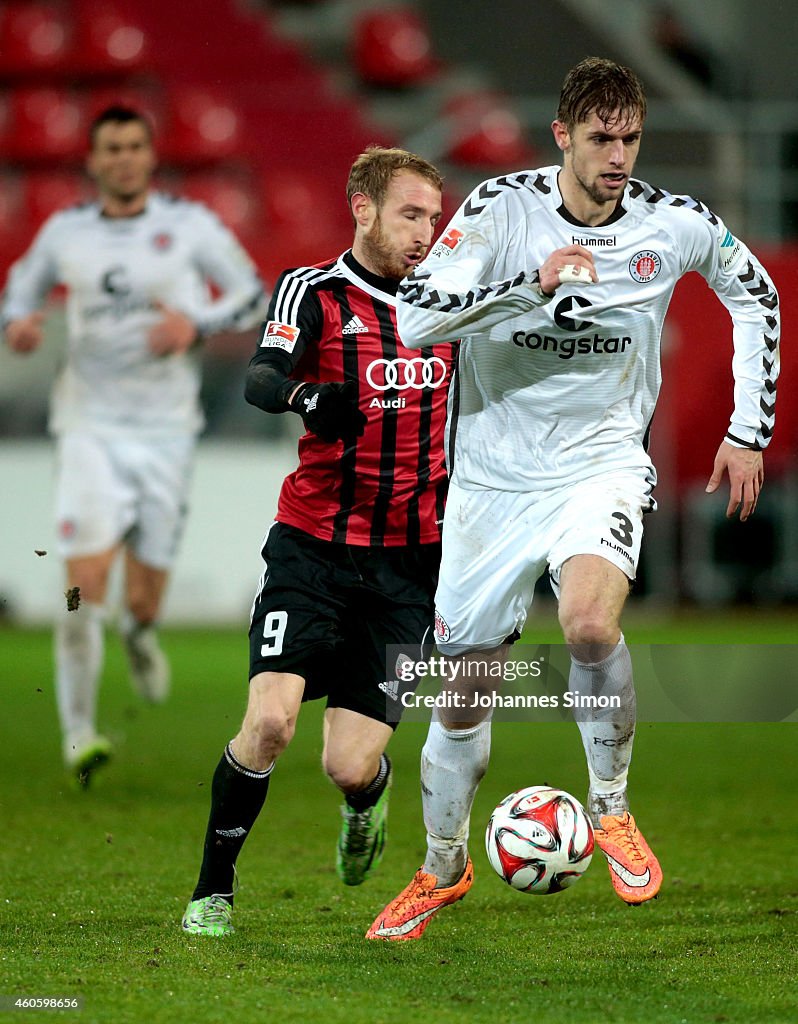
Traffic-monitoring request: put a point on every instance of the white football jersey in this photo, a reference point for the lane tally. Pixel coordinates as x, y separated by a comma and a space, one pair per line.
550, 391
116, 272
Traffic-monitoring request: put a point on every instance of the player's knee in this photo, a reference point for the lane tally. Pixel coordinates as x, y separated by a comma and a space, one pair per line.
352, 774
143, 608
590, 632
268, 734
92, 581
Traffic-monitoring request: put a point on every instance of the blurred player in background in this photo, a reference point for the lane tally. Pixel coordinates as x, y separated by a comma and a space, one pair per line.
352, 561
558, 377
137, 265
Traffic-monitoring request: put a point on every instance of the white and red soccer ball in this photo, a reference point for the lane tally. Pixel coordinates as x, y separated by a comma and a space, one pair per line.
539, 840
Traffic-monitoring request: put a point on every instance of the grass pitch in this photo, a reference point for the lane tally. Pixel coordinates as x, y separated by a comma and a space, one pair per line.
94, 883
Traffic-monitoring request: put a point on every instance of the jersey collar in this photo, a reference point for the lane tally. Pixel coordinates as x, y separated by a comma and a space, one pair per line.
565, 213
383, 288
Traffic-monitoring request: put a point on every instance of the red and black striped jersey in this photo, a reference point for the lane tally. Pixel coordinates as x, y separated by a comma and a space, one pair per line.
337, 322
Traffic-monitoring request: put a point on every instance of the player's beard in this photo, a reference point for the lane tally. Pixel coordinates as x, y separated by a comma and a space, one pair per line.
599, 195
382, 255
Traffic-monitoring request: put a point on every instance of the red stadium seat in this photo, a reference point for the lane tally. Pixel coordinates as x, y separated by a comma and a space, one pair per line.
5, 119
231, 199
12, 211
26, 201
304, 201
35, 37
45, 124
391, 47
202, 125
487, 134
14, 233
46, 192
285, 249
305, 219
146, 101
109, 39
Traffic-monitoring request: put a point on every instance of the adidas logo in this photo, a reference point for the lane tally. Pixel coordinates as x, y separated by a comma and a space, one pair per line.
231, 833
390, 687
355, 326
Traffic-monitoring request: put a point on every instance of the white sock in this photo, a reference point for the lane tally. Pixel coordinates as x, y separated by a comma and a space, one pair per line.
130, 628
607, 733
452, 765
79, 645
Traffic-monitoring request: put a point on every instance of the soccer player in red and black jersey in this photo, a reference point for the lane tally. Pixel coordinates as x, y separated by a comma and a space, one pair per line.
351, 562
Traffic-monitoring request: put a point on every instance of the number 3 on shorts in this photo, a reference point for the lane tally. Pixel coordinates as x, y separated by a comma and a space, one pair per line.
624, 531
273, 632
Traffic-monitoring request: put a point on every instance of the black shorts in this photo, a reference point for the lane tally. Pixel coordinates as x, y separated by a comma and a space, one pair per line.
327, 612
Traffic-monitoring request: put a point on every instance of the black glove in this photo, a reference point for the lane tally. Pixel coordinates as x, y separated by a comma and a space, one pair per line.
329, 410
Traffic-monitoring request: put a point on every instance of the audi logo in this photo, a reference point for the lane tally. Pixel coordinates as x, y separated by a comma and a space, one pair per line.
401, 374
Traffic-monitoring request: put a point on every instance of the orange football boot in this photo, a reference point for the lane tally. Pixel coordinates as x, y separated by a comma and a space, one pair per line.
634, 870
409, 913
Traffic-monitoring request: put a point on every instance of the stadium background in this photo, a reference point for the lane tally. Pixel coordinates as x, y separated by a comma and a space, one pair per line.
259, 109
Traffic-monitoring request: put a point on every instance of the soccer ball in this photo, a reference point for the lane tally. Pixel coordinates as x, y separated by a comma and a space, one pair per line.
539, 840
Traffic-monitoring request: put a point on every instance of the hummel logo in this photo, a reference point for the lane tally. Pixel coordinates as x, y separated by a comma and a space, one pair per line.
355, 326
231, 833
390, 687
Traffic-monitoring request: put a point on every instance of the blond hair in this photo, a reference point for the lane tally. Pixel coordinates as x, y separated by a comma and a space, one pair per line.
376, 166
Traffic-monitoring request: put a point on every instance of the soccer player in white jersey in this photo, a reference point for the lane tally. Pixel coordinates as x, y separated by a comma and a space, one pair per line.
137, 266
558, 280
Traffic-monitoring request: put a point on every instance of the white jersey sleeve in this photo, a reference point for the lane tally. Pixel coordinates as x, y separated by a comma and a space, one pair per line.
31, 278
455, 288
220, 258
743, 286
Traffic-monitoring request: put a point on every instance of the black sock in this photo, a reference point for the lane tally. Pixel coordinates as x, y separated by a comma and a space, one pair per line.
365, 798
237, 795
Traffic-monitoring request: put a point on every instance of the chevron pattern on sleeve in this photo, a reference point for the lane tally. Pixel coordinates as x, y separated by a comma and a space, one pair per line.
756, 285
650, 194
417, 293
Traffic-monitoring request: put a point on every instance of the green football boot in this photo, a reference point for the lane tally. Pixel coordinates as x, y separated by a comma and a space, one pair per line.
211, 915
361, 840
85, 757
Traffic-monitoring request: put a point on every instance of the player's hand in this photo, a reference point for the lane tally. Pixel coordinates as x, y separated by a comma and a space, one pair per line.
746, 476
174, 332
567, 266
329, 410
26, 333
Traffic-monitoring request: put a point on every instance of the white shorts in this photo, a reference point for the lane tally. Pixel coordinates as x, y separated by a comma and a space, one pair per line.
496, 544
110, 490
